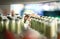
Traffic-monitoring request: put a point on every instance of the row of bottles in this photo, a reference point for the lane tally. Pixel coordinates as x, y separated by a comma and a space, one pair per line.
45, 25
12, 24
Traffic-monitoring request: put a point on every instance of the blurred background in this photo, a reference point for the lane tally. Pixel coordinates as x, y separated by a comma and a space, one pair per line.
44, 15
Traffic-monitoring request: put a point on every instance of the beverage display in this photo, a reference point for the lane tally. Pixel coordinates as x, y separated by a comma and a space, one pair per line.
47, 26
14, 26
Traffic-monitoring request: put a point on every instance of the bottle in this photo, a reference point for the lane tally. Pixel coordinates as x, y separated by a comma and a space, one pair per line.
12, 24
6, 33
58, 29
1, 22
17, 26
5, 22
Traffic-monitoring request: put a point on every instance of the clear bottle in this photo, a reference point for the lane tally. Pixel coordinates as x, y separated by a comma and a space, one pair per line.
5, 22
12, 24
17, 26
